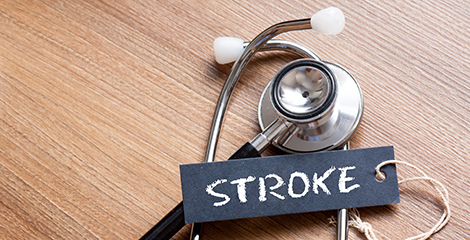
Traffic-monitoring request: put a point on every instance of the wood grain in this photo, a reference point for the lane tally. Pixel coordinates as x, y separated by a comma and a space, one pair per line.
101, 101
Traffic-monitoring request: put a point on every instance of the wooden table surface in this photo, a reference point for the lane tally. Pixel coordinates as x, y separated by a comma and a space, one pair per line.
101, 101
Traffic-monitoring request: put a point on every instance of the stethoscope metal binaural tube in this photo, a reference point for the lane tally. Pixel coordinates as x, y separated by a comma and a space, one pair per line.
343, 217
328, 21
238, 67
287, 46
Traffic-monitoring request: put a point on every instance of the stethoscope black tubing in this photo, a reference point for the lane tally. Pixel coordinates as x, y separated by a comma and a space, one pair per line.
174, 220
169, 225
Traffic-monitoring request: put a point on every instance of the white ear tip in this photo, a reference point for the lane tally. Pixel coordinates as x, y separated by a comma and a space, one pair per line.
328, 21
227, 49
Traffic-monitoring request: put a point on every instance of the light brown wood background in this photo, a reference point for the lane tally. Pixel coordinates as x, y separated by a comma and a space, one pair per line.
101, 101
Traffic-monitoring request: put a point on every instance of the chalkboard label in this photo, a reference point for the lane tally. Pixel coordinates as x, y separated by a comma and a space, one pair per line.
287, 184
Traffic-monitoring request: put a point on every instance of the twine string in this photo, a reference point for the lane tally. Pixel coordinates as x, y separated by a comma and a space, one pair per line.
365, 228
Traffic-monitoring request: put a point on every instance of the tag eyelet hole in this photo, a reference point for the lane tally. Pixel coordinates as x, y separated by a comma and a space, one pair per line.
380, 176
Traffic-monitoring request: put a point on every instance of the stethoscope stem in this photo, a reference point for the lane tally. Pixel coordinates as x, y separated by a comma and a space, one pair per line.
265, 138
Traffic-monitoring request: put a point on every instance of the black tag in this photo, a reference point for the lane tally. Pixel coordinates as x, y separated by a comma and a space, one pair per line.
287, 184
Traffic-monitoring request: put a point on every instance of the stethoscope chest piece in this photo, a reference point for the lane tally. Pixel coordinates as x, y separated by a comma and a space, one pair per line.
322, 102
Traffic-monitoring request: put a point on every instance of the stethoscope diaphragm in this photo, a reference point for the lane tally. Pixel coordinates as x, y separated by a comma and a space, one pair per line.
325, 106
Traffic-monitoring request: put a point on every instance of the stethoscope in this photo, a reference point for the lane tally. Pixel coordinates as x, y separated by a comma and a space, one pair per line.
309, 105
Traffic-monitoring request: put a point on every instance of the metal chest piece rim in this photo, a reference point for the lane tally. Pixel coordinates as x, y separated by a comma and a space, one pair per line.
334, 124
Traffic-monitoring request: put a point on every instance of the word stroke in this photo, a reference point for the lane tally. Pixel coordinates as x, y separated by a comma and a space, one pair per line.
316, 183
